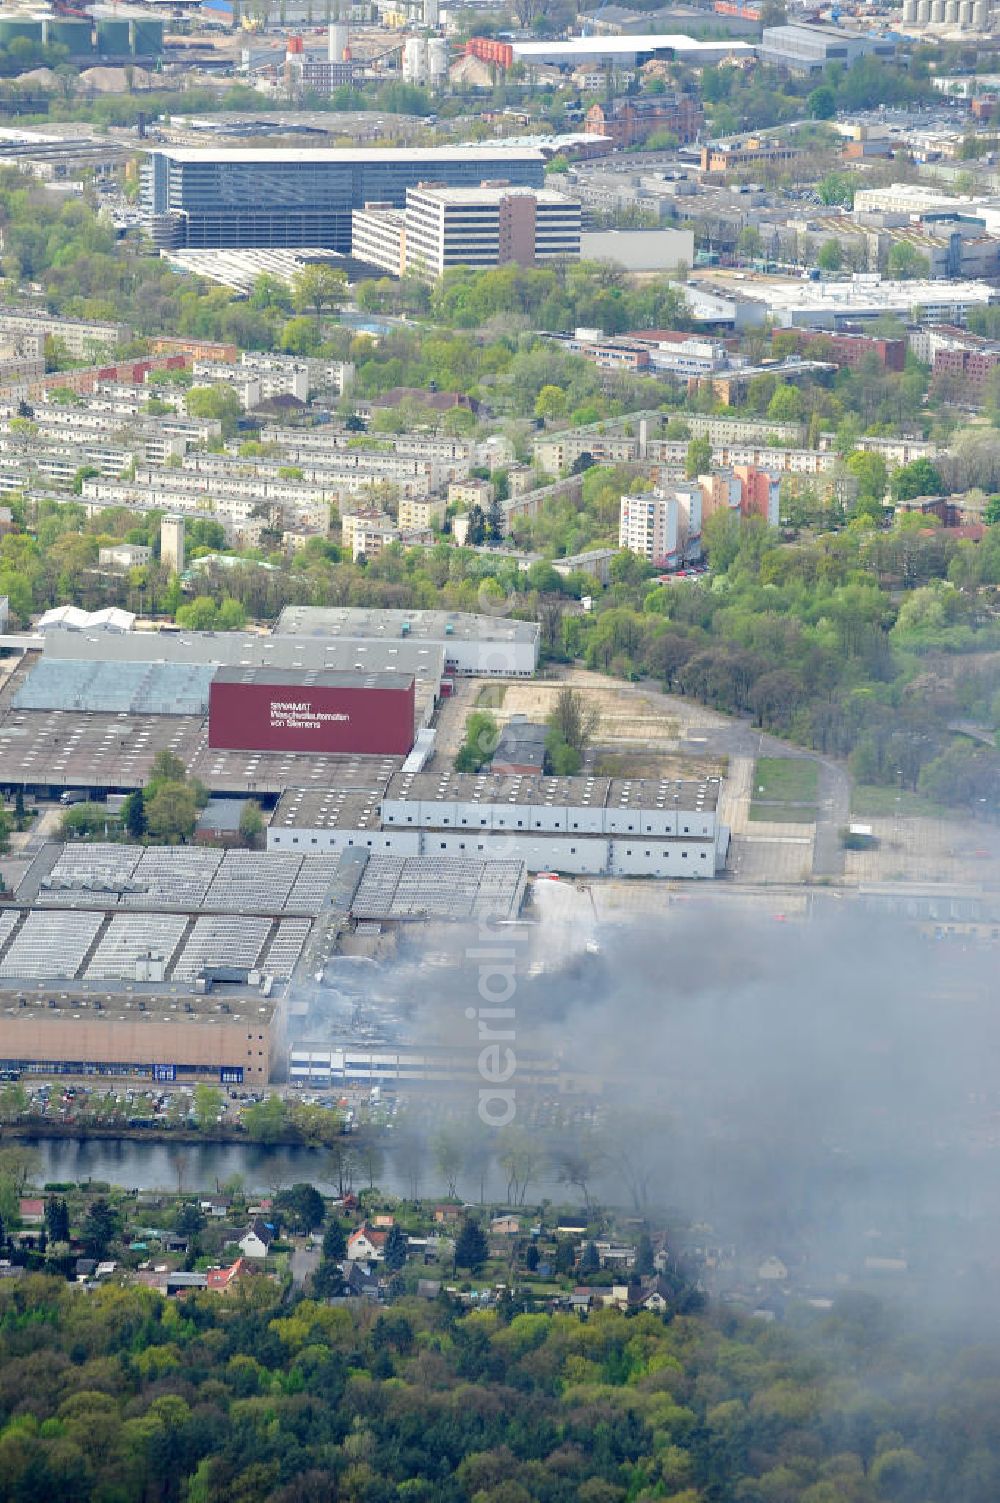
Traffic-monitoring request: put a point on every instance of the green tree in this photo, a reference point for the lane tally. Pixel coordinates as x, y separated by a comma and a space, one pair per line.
99, 1229
449, 1155
870, 471
207, 1106
395, 1250
13, 1102
189, 1219
644, 1255
471, 1247
251, 822
328, 1280
574, 721
906, 263
786, 405
134, 814
838, 188
264, 1121
550, 404
831, 256
749, 245
589, 1260
167, 768
699, 458
334, 1241
481, 737
304, 1204
318, 286
219, 402
822, 103
172, 813
57, 1219
918, 478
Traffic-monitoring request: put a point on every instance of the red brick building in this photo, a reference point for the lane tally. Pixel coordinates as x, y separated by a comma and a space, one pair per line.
629, 122
972, 364
852, 349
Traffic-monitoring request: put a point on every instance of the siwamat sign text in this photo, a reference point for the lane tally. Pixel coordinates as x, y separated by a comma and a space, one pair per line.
301, 715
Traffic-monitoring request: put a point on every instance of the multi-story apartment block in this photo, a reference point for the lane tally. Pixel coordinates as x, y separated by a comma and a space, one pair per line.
648, 526
84, 338
421, 512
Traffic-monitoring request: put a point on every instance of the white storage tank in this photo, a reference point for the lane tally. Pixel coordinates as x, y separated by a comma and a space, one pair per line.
937, 12
338, 41
965, 15
437, 61
415, 61
909, 10
923, 11
951, 12
981, 15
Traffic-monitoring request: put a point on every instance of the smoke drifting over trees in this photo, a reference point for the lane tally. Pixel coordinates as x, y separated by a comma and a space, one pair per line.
826, 1091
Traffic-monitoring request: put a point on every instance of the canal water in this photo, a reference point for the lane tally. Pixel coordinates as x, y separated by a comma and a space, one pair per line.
204, 1166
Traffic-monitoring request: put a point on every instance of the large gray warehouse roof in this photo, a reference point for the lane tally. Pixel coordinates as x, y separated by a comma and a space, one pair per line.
382, 625
133, 687
424, 659
408, 887
577, 792
320, 678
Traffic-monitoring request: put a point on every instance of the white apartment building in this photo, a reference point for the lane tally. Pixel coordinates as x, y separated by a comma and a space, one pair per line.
257, 378
124, 556
689, 357
83, 338
243, 383
378, 236
354, 522
648, 526
369, 539
478, 227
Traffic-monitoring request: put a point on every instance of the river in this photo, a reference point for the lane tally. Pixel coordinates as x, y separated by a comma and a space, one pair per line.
202, 1166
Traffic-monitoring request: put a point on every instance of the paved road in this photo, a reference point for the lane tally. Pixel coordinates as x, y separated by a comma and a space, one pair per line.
736, 737
303, 1262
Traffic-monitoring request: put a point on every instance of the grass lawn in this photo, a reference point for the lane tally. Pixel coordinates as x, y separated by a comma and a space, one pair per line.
868, 800
783, 814
788, 779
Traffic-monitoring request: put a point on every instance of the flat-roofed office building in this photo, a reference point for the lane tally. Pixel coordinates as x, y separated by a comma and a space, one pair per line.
215, 198
489, 225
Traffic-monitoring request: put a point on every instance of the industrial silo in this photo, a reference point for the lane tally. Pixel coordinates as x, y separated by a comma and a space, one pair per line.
981, 15
69, 32
437, 61
923, 11
415, 61
113, 39
338, 42
146, 36
951, 12
909, 11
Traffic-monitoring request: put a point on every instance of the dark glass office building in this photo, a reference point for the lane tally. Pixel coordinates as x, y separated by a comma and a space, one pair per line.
245, 198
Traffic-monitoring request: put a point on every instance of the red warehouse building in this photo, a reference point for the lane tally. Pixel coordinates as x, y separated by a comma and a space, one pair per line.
269, 709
